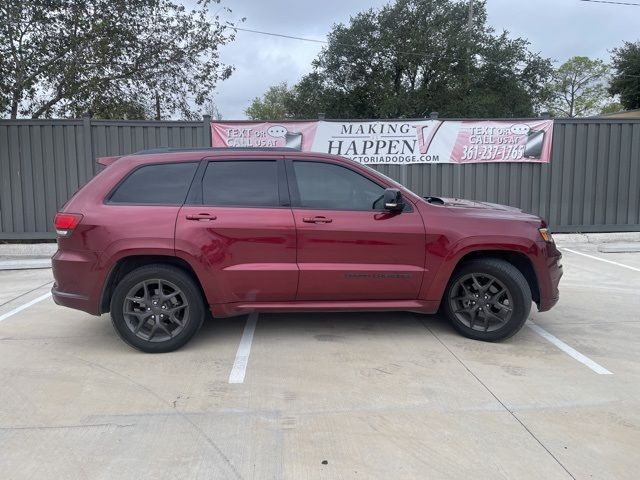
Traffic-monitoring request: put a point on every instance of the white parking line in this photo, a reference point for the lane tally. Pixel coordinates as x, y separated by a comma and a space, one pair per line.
569, 350
244, 349
601, 259
25, 306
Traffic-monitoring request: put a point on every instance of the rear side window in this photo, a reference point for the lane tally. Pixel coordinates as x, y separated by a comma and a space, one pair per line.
161, 184
241, 183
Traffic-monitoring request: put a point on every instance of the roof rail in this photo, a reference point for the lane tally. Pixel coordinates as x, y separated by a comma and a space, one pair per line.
215, 149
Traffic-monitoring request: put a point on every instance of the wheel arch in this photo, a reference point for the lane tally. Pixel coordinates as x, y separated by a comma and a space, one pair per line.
516, 258
521, 252
129, 263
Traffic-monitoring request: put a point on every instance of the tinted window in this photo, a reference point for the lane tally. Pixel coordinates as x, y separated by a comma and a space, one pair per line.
324, 185
241, 183
162, 184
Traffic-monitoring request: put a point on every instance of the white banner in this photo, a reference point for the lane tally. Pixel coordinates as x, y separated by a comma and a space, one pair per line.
399, 141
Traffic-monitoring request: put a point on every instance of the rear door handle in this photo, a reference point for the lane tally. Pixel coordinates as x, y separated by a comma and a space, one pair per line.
202, 217
318, 219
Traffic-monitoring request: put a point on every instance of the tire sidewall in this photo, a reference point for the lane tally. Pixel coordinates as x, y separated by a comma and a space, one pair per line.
173, 275
515, 283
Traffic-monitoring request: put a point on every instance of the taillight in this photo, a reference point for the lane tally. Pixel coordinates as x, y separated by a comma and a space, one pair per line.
66, 223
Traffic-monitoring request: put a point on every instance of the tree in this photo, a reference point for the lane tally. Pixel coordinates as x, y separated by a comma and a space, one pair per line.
210, 108
612, 107
106, 108
578, 88
626, 79
272, 105
413, 57
108, 57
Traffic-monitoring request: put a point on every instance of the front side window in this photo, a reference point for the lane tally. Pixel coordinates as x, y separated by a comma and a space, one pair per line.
252, 183
332, 187
159, 184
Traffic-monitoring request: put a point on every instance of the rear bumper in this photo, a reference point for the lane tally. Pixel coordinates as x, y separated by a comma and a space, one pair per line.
549, 276
76, 280
71, 300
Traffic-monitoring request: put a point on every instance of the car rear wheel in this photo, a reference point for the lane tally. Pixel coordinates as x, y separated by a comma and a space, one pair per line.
157, 308
487, 300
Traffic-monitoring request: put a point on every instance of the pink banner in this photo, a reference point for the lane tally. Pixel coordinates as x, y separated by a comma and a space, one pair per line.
298, 135
399, 141
487, 141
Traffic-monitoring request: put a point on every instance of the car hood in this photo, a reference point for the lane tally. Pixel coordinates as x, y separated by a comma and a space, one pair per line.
461, 202
481, 209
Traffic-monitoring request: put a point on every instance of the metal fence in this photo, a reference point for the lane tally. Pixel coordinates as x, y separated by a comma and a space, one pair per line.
591, 185
43, 162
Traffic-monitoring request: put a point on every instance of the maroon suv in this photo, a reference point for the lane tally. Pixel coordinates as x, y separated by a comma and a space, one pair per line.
160, 237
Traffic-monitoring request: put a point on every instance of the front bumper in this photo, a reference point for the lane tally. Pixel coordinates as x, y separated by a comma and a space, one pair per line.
549, 276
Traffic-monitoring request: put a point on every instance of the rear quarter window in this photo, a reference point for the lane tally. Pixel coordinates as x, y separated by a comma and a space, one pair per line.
158, 184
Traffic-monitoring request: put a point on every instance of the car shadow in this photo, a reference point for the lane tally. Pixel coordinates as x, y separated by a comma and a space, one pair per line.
324, 326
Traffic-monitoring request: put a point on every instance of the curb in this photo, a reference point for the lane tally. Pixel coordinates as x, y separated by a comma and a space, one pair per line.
28, 249
24, 263
597, 238
619, 247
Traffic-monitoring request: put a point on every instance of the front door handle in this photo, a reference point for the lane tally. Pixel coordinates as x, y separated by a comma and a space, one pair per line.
318, 219
202, 217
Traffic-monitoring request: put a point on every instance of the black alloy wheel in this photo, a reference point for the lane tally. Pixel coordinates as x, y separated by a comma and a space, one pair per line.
157, 308
487, 299
481, 302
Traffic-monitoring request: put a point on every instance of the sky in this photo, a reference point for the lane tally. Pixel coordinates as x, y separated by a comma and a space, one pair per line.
557, 29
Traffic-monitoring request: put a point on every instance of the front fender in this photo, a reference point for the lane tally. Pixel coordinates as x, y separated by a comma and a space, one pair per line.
441, 269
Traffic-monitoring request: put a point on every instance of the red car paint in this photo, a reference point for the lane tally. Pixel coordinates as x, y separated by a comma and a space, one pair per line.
291, 259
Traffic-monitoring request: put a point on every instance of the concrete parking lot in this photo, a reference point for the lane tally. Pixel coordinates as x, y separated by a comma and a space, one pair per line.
329, 396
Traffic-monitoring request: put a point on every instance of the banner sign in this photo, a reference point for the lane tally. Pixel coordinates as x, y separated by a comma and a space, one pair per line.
399, 141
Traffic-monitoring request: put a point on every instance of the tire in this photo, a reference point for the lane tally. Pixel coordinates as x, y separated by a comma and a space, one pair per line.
503, 314
165, 325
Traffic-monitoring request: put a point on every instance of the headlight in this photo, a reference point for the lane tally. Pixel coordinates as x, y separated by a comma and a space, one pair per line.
546, 235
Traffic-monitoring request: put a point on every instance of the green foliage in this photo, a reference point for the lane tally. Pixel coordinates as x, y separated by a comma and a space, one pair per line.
112, 108
413, 57
108, 57
578, 88
626, 78
613, 107
272, 105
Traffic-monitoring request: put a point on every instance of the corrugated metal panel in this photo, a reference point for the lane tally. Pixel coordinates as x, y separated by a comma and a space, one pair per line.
43, 162
591, 184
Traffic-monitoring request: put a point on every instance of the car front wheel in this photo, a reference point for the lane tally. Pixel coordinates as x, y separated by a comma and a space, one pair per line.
157, 308
487, 299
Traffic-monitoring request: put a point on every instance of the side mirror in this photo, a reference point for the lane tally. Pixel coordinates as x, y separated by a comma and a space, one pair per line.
393, 200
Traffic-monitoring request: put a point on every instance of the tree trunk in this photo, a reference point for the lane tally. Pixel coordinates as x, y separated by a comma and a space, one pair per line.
15, 101
43, 109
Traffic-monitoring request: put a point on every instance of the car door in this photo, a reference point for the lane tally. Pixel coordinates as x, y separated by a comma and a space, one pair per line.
238, 228
348, 247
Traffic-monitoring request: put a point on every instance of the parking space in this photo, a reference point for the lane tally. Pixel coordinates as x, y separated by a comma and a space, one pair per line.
331, 395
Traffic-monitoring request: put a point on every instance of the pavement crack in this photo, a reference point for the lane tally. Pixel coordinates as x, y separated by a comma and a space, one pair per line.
25, 293
208, 439
233, 470
65, 427
496, 398
382, 371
